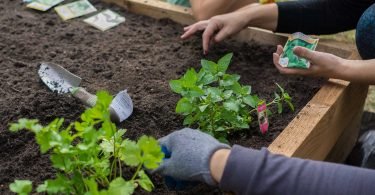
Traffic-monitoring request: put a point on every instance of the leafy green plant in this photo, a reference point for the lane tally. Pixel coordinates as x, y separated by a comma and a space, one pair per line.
216, 101
90, 155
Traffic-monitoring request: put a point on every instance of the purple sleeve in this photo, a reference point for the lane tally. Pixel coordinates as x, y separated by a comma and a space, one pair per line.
255, 172
320, 16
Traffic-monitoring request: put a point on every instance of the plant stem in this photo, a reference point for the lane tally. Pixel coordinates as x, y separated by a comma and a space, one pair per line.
136, 172
119, 164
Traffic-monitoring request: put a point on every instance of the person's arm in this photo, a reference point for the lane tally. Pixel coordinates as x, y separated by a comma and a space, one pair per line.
329, 66
249, 171
205, 9
220, 27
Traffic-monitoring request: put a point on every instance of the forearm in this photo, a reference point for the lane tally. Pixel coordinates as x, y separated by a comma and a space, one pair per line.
250, 171
261, 16
205, 9
362, 71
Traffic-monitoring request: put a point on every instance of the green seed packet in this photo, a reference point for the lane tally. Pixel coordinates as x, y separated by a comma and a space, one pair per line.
288, 59
75, 9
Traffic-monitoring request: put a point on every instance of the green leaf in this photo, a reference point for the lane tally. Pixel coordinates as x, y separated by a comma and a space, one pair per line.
121, 187
246, 90
195, 91
188, 120
184, 106
104, 99
107, 146
130, 153
61, 162
281, 89
152, 155
231, 105
236, 87
22, 187
279, 107
208, 78
215, 94
277, 96
286, 96
203, 108
190, 78
224, 62
55, 186
250, 100
209, 66
227, 94
176, 86
145, 182
93, 187
290, 105
23, 123
229, 80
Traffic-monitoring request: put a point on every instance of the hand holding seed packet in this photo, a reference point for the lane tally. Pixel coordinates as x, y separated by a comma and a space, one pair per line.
288, 59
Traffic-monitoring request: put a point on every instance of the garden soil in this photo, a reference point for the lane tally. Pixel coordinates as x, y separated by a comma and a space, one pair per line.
140, 55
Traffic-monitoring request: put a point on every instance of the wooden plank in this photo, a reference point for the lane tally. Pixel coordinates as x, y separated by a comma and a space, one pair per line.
348, 138
316, 129
157, 9
333, 113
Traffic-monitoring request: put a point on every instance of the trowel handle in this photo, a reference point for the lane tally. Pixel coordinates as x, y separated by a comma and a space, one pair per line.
85, 97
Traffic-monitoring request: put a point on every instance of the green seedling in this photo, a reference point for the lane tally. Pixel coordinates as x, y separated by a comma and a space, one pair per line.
216, 102
90, 155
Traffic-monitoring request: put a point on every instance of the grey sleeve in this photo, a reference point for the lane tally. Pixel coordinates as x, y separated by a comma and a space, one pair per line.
320, 16
256, 172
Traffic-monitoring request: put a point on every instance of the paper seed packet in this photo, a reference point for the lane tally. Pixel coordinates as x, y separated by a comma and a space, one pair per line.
288, 59
75, 9
105, 20
43, 5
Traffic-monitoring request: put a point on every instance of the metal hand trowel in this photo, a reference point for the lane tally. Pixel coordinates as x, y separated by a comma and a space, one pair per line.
60, 80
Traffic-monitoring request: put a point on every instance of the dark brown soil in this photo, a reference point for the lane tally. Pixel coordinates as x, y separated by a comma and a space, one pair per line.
141, 55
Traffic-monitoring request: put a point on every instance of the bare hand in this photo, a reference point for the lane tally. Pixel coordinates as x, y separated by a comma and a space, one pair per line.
217, 28
322, 64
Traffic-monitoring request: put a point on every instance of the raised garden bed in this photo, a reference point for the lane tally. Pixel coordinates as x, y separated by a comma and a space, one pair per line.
142, 55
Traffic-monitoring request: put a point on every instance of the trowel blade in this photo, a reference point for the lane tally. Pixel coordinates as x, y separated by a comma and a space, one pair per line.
57, 78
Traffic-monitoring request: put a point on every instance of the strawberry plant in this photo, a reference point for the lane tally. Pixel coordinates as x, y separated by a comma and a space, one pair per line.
90, 155
217, 102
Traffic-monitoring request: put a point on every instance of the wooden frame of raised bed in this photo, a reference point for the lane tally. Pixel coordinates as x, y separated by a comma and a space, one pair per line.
327, 127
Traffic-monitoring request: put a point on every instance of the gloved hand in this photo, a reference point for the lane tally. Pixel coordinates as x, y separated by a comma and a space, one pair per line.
189, 155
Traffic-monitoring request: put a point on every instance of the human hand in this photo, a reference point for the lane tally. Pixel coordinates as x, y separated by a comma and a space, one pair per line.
321, 64
190, 152
217, 28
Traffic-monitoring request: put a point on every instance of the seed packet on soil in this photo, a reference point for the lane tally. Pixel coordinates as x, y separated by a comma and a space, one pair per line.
43, 5
75, 9
288, 59
105, 20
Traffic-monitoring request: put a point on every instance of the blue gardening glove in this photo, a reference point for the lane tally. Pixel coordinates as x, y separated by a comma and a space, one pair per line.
190, 152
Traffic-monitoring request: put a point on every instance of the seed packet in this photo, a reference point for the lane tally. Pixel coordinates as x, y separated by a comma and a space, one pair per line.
105, 20
288, 59
43, 5
262, 117
75, 9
